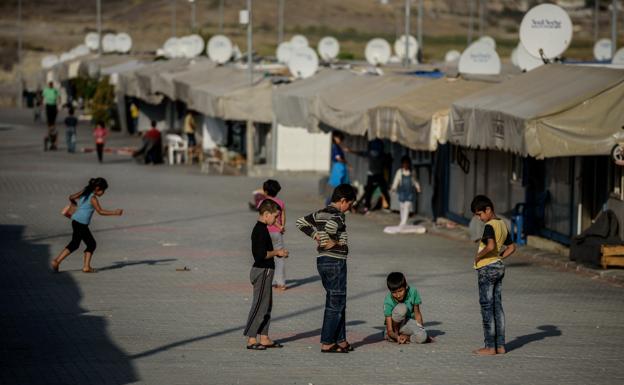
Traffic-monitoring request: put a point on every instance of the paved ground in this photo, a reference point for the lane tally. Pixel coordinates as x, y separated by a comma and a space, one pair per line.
140, 320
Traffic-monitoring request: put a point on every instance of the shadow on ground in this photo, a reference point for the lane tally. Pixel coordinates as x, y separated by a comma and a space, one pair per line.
147, 262
45, 335
546, 331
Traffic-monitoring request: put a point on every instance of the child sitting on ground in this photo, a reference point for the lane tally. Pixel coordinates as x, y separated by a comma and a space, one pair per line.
404, 322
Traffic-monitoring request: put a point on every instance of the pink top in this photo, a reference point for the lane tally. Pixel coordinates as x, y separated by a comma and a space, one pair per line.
280, 203
100, 133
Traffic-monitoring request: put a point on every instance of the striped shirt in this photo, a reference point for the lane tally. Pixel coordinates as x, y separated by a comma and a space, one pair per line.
328, 223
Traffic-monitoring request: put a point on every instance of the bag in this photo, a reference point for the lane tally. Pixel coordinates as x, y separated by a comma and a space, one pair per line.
69, 210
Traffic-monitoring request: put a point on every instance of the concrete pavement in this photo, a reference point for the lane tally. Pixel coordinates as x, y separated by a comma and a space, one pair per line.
140, 320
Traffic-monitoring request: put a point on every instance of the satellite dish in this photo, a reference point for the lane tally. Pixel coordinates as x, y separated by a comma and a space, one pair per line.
479, 59
220, 49
514, 56
377, 51
236, 53
452, 56
284, 51
489, 40
66, 56
92, 41
525, 60
80, 50
109, 43
49, 61
303, 62
328, 48
187, 47
123, 42
171, 47
198, 44
299, 41
602, 50
399, 47
619, 57
546, 28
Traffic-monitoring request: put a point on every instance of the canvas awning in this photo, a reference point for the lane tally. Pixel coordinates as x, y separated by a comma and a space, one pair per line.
149, 77
537, 113
130, 85
194, 75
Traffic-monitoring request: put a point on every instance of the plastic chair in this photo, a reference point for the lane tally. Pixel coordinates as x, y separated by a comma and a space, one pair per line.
177, 149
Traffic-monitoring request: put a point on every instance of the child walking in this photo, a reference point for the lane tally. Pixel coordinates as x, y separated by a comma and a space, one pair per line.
261, 277
495, 245
328, 228
271, 188
87, 202
405, 184
100, 133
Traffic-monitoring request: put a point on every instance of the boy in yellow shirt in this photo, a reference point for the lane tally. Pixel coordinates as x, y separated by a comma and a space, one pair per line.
495, 245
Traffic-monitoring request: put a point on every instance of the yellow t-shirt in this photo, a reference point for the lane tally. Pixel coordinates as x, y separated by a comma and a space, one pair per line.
189, 124
498, 231
134, 111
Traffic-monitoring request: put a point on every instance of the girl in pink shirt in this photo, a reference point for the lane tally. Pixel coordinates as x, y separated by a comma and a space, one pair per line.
276, 231
100, 133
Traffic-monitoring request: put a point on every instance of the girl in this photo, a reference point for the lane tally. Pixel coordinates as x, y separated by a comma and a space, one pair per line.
405, 183
86, 202
100, 134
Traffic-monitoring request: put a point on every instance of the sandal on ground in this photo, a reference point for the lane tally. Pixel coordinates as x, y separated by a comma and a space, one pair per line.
273, 345
256, 346
334, 349
89, 270
347, 347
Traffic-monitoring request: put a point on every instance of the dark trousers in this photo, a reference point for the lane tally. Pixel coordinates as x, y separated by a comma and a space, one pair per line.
51, 112
81, 232
99, 147
371, 183
491, 301
260, 313
333, 272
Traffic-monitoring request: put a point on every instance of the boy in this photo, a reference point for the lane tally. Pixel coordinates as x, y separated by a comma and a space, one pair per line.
327, 227
404, 322
70, 131
490, 272
271, 188
261, 277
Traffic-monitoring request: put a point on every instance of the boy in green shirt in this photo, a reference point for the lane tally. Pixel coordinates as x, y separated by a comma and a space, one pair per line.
404, 322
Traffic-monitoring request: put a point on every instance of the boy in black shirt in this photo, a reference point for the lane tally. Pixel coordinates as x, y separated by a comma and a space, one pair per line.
261, 277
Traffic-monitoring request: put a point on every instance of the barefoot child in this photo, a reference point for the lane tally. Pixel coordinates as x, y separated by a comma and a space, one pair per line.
261, 277
404, 322
490, 273
87, 202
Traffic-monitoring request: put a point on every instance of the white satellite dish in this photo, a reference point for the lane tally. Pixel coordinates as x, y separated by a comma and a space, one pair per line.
109, 43
452, 56
619, 57
399, 47
514, 56
284, 51
220, 49
303, 62
49, 61
123, 42
171, 47
377, 51
80, 50
66, 56
479, 59
198, 44
328, 48
187, 47
299, 41
489, 40
602, 49
546, 28
525, 60
92, 41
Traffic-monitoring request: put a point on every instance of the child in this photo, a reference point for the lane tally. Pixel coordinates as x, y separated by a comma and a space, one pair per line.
490, 273
100, 134
86, 202
261, 277
70, 131
405, 184
271, 188
404, 322
327, 227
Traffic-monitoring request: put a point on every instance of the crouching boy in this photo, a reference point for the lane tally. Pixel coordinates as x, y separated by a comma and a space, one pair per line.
404, 322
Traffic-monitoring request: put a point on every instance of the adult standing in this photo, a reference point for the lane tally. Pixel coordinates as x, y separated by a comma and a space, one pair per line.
51, 99
134, 115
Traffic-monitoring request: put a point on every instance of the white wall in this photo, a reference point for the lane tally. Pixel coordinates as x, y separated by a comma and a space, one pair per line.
300, 150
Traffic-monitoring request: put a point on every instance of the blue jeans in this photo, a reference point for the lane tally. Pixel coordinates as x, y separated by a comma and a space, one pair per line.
70, 138
490, 288
333, 272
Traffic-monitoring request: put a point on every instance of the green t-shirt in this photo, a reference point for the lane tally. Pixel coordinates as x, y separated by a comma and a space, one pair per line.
50, 95
411, 298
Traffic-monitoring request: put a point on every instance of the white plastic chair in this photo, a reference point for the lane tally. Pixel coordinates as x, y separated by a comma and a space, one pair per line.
177, 149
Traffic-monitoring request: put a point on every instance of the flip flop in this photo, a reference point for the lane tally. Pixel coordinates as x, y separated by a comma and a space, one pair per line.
256, 347
273, 345
348, 347
91, 270
334, 349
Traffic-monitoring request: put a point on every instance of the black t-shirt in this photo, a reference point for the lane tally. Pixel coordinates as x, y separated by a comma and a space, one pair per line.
261, 243
71, 121
488, 233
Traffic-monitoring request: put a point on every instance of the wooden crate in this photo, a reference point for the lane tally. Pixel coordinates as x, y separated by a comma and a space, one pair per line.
612, 255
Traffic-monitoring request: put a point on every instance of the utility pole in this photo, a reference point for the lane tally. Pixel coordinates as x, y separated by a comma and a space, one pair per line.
20, 80
481, 17
221, 16
420, 25
250, 134
408, 7
280, 21
471, 21
596, 15
99, 25
193, 24
614, 14
173, 18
